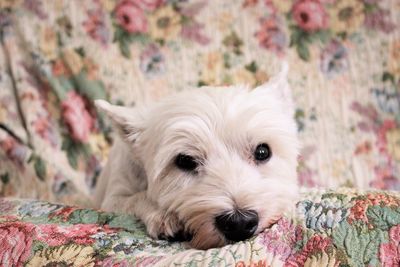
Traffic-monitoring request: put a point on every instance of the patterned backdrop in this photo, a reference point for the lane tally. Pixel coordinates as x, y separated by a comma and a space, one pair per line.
58, 56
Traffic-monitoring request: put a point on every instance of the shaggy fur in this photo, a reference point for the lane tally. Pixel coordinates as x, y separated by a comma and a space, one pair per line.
220, 127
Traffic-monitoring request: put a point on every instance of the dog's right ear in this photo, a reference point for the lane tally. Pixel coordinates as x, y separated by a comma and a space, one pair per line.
129, 121
279, 87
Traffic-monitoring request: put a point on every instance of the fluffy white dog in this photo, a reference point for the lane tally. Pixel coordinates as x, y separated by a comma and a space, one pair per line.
214, 165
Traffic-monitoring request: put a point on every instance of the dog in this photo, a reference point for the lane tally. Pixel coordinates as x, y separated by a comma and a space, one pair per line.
212, 165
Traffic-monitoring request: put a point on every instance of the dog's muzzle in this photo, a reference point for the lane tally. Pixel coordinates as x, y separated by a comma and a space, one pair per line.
237, 225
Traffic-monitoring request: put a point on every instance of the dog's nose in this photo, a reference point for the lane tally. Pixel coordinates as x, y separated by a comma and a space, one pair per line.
237, 225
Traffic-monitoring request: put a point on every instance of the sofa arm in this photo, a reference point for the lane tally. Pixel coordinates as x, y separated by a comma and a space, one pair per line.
326, 228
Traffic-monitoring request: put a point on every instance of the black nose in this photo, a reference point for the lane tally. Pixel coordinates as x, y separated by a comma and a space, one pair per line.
237, 225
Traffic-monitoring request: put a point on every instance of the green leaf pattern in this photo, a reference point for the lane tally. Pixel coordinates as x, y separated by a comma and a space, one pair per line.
293, 241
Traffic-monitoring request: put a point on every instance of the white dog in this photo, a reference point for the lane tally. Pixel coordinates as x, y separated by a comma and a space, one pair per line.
217, 164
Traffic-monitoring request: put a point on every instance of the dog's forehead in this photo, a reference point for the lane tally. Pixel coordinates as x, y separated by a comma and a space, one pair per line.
216, 104
209, 113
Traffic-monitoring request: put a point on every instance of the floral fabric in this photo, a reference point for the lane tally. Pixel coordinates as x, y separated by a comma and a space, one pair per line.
56, 57
327, 228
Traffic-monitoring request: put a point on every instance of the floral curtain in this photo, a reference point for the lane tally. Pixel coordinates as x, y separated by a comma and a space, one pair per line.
56, 57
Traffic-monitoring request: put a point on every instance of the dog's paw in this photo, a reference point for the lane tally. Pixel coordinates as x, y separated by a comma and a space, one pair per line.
166, 226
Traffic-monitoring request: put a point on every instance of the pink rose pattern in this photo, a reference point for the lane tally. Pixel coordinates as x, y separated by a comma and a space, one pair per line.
283, 239
295, 243
55, 235
95, 26
389, 253
271, 35
14, 151
372, 122
371, 218
29, 228
131, 23
6, 206
310, 15
16, 240
315, 244
309, 21
130, 17
76, 117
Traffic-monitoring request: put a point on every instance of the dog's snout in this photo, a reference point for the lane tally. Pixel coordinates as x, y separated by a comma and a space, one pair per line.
237, 225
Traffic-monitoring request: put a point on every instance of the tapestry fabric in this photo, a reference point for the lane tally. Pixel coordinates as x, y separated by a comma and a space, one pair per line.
327, 228
56, 57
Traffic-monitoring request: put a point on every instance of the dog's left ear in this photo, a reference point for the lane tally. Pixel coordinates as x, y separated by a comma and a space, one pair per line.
278, 87
129, 121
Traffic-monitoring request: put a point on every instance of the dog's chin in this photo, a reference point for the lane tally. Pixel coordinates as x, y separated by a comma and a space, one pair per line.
206, 236
202, 231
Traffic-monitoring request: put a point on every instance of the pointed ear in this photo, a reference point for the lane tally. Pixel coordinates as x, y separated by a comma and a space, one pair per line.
128, 121
279, 87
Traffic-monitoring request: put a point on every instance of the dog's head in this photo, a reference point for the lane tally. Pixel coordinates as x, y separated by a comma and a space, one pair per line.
223, 159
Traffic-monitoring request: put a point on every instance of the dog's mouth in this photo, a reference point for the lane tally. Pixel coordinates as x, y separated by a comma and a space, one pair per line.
204, 231
181, 236
194, 241
209, 235
196, 238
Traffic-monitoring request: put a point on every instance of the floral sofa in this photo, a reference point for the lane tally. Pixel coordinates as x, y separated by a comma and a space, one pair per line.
327, 228
56, 57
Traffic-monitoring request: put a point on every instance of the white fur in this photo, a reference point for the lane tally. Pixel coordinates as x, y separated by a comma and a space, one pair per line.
221, 127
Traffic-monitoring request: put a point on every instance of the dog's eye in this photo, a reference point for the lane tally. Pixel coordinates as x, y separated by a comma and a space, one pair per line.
262, 152
186, 162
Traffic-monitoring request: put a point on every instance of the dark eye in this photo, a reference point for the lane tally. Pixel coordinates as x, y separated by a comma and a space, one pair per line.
262, 152
186, 162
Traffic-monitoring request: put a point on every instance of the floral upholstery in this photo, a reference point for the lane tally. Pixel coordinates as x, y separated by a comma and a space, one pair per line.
327, 228
56, 57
